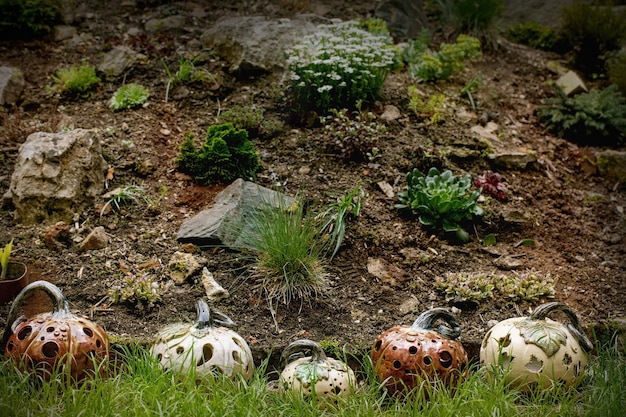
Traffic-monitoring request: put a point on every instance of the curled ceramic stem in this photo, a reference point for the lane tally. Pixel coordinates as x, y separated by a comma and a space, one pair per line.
426, 320
296, 350
541, 312
207, 319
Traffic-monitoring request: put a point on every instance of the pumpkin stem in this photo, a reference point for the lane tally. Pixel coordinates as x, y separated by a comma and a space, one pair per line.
542, 311
426, 320
207, 320
297, 349
61, 307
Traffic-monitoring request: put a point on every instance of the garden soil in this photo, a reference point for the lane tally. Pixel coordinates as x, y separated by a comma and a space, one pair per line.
568, 222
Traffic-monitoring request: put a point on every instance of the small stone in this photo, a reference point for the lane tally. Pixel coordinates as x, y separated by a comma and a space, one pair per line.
386, 188
508, 263
57, 237
97, 239
214, 291
182, 266
390, 113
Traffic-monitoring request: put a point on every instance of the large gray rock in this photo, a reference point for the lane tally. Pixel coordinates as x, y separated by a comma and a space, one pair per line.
119, 60
224, 222
169, 22
11, 85
56, 175
405, 18
257, 43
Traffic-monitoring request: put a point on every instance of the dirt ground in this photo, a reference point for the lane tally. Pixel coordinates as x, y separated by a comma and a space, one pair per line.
575, 217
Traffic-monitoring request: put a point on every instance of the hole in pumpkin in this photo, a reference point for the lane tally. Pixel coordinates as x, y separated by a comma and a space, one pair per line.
506, 360
397, 364
567, 359
378, 344
10, 346
207, 354
237, 356
445, 359
427, 360
24, 333
180, 350
413, 350
88, 331
98, 343
486, 339
159, 356
534, 365
50, 349
505, 341
50, 329
337, 390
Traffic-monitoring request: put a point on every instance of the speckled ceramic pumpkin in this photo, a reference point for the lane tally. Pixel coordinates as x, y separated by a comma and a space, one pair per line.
403, 356
535, 350
46, 340
316, 374
204, 346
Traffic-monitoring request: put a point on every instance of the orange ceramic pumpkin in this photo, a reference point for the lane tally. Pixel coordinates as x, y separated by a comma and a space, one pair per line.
403, 356
46, 340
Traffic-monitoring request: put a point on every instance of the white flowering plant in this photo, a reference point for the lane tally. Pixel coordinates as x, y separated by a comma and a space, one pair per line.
337, 67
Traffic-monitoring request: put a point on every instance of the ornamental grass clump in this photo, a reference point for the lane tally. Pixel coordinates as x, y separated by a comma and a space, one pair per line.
225, 155
337, 67
441, 200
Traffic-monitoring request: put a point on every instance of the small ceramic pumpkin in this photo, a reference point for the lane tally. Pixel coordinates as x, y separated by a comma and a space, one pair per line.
405, 355
535, 350
315, 375
203, 345
57, 338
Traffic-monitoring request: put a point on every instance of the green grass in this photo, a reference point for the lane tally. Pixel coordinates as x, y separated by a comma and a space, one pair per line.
138, 387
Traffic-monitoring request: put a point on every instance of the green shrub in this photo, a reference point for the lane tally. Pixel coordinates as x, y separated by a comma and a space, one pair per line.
593, 31
75, 81
617, 72
532, 34
129, 96
28, 18
441, 200
468, 16
595, 118
431, 109
225, 155
441, 65
187, 73
338, 67
356, 137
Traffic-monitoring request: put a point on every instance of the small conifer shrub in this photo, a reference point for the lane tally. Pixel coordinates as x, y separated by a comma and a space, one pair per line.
225, 155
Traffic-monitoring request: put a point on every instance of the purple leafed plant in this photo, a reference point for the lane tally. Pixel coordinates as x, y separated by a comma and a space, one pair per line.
492, 183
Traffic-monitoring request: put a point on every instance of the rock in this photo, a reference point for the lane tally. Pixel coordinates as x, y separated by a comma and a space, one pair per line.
182, 266
571, 84
257, 43
390, 113
214, 291
487, 131
169, 22
223, 224
612, 164
118, 60
508, 263
63, 32
512, 160
409, 306
56, 175
57, 237
97, 239
405, 18
514, 216
386, 188
11, 85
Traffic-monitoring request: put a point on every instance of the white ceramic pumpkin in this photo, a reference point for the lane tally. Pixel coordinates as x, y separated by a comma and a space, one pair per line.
208, 348
536, 350
315, 375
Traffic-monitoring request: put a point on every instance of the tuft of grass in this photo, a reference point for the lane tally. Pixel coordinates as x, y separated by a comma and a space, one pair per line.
123, 196
129, 96
75, 80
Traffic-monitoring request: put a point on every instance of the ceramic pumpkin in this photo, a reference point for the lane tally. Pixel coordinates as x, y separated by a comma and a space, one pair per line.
535, 350
403, 356
204, 346
314, 375
61, 338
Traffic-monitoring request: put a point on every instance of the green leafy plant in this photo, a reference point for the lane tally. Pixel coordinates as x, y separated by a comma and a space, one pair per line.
532, 34
334, 217
527, 286
432, 109
441, 200
491, 183
441, 65
337, 67
143, 291
28, 18
251, 119
75, 81
129, 96
187, 73
355, 137
4, 259
225, 155
594, 31
617, 72
597, 117
415, 48
123, 196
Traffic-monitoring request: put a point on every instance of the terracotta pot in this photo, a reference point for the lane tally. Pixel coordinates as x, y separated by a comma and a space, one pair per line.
15, 280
